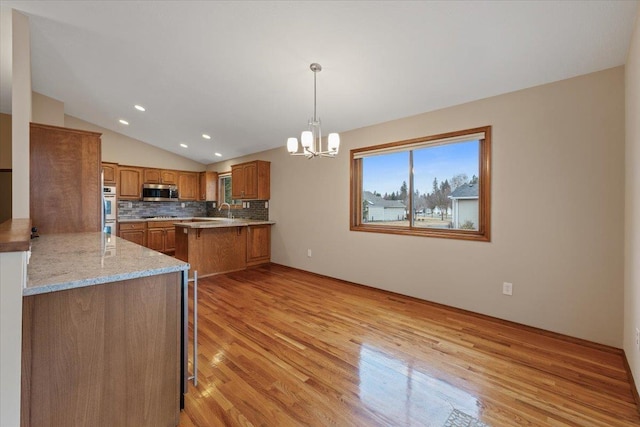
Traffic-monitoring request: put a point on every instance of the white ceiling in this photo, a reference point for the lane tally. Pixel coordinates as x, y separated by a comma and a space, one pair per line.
239, 71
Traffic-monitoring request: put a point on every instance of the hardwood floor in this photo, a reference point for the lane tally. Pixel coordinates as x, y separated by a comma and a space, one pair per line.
281, 347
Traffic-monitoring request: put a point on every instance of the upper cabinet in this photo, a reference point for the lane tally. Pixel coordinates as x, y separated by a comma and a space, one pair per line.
251, 180
110, 173
130, 185
208, 186
65, 191
158, 176
188, 185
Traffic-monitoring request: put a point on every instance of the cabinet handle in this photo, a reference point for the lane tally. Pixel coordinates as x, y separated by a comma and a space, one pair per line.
194, 377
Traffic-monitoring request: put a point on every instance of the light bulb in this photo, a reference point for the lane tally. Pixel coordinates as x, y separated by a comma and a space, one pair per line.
334, 142
307, 139
292, 145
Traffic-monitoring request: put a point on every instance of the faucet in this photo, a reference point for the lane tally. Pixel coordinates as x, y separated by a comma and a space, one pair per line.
229, 209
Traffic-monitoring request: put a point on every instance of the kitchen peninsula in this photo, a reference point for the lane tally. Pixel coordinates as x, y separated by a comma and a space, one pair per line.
218, 245
101, 333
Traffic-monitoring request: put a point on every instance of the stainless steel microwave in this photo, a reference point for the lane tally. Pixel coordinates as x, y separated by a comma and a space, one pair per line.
159, 193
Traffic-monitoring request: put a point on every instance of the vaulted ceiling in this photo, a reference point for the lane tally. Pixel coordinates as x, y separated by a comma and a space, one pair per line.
239, 71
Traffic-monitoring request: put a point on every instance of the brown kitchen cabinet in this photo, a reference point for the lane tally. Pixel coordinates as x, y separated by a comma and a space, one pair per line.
159, 176
251, 180
208, 187
110, 173
135, 232
104, 355
161, 236
188, 185
65, 187
258, 244
130, 185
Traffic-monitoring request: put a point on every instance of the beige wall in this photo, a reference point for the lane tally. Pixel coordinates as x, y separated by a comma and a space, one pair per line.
632, 205
118, 148
557, 228
21, 114
47, 110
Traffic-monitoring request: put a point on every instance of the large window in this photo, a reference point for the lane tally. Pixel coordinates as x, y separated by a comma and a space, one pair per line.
435, 186
224, 189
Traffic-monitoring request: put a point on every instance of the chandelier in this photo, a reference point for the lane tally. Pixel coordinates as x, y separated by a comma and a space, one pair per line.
311, 139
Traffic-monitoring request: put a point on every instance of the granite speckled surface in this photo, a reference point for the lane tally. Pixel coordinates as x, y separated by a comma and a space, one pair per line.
223, 222
74, 260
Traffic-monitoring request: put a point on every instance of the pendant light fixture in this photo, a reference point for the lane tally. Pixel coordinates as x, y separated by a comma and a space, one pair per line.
311, 139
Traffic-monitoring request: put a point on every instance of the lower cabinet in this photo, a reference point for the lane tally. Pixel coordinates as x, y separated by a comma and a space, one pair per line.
258, 244
135, 232
220, 250
161, 236
103, 355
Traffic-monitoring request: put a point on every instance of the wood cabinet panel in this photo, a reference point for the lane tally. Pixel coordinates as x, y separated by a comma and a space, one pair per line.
208, 188
258, 244
135, 232
155, 239
161, 236
188, 185
65, 185
81, 368
212, 250
169, 177
130, 185
251, 180
159, 176
110, 173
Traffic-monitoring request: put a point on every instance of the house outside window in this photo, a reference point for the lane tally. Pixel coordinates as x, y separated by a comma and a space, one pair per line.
436, 186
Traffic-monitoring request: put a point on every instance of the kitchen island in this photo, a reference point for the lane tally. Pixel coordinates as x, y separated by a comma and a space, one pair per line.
103, 333
220, 245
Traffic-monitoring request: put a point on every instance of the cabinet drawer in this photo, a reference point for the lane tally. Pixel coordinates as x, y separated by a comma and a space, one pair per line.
133, 226
161, 224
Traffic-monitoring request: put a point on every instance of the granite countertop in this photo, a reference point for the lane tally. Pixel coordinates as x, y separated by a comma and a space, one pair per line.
222, 222
74, 260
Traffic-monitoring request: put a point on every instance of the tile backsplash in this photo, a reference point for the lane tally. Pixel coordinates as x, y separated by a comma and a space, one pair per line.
254, 209
142, 209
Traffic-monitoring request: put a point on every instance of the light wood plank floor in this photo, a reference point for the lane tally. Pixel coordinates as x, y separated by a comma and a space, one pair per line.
281, 347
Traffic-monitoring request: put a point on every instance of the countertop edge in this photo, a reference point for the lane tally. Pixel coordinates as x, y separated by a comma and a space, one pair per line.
15, 235
36, 290
222, 224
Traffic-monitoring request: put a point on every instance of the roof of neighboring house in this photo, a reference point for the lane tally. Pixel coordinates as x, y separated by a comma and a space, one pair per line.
379, 201
465, 191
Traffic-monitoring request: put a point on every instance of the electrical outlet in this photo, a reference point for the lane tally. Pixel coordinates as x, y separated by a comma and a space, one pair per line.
507, 288
248, 205
638, 338
309, 253
129, 205
266, 205
182, 204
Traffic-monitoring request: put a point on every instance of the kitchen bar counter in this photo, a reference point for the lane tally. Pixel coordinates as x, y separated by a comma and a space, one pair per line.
222, 222
74, 260
15, 235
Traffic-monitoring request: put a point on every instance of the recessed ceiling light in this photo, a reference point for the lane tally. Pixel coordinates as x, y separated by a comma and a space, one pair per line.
205, 136
184, 146
140, 108
124, 122
218, 154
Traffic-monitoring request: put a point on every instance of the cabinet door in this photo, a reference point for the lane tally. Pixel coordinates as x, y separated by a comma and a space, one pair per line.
110, 171
170, 239
258, 244
155, 239
250, 172
66, 196
130, 183
152, 176
188, 186
135, 236
207, 190
169, 177
237, 182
